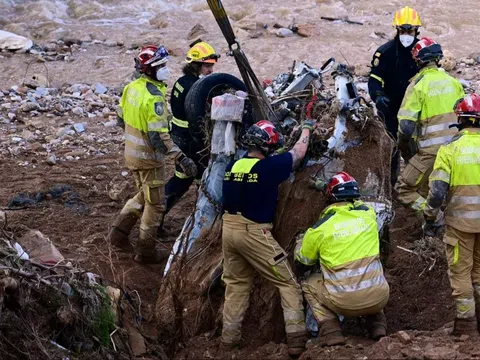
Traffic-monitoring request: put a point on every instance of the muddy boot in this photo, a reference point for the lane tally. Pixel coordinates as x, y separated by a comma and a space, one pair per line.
330, 333
156, 257
296, 343
121, 228
466, 326
377, 326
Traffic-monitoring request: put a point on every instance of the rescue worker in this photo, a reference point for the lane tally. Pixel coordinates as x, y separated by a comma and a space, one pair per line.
456, 178
345, 242
427, 110
143, 114
250, 191
392, 69
188, 136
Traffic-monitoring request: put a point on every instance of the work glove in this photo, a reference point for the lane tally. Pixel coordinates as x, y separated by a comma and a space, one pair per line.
383, 104
188, 166
430, 228
309, 124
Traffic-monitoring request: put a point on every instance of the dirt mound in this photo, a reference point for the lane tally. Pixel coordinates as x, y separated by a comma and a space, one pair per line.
190, 302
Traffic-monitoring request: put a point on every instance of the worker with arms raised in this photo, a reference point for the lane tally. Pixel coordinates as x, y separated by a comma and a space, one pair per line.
250, 192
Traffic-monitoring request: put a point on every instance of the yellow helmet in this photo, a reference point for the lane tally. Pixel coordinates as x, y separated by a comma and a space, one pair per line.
202, 52
406, 17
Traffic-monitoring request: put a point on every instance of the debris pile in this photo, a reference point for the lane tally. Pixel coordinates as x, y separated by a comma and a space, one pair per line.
55, 122
50, 308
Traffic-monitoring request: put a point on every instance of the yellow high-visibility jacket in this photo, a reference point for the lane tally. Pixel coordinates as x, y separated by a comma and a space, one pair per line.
456, 175
143, 108
345, 241
428, 108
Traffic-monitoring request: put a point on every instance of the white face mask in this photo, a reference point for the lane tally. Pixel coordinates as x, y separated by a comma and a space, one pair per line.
163, 74
201, 76
406, 40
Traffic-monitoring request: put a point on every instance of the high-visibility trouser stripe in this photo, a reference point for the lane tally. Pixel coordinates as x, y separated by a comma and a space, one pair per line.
336, 276
435, 141
376, 77
180, 175
294, 320
440, 175
465, 308
435, 128
465, 214
467, 200
365, 284
135, 140
419, 204
180, 123
161, 126
141, 154
404, 114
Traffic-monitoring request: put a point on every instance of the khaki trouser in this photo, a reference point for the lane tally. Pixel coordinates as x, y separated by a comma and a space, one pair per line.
323, 309
150, 200
412, 185
463, 256
250, 247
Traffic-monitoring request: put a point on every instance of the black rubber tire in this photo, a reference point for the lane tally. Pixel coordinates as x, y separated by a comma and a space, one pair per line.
202, 92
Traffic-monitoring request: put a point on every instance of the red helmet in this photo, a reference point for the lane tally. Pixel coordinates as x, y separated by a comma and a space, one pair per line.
150, 56
426, 50
343, 187
469, 107
262, 135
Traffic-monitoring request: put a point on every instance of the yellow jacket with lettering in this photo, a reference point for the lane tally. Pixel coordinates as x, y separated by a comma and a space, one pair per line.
427, 108
456, 176
345, 241
143, 108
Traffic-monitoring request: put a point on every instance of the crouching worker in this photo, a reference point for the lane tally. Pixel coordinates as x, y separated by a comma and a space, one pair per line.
345, 241
250, 192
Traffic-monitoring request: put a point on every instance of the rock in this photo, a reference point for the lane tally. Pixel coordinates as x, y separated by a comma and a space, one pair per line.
110, 124
119, 191
246, 24
29, 107
465, 83
404, 337
196, 32
440, 353
464, 337
124, 173
16, 139
77, 110
50, 47
36, 146
14, 42
27, 135
100, 89
448, 62
99, 177
136, 341
241, 34
6, 105
110, 43
305, 30
11, 116
79, 127
284, 32
99, 62
72, 41
51, 159
61, 132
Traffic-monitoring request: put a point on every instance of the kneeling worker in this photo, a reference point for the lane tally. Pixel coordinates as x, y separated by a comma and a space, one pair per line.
345, 241
250, 192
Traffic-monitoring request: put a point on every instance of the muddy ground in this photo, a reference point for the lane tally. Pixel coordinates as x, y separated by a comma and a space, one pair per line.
420, 296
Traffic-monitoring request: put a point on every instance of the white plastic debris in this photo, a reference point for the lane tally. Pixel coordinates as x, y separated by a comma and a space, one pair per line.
11, 41
227, 107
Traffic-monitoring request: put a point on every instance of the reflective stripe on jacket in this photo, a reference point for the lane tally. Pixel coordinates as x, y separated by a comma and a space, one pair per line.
429, 103
458, 165
144, 109
345, 241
